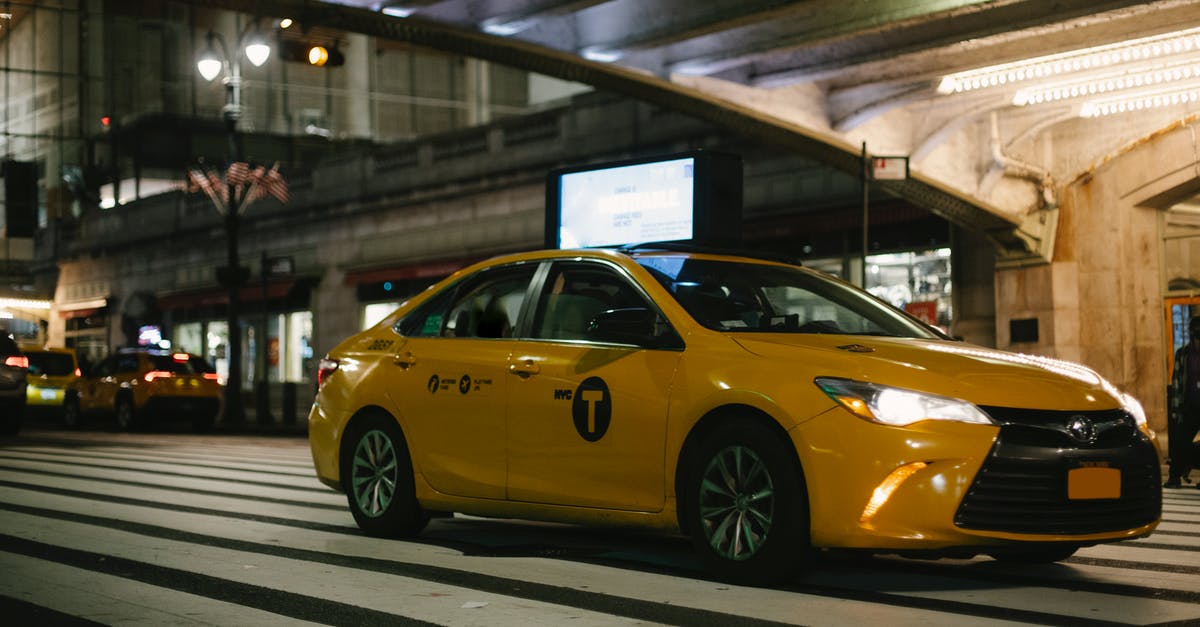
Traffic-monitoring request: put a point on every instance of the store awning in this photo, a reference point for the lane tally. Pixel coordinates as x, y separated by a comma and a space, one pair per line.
82, 309
426, 270
272, 290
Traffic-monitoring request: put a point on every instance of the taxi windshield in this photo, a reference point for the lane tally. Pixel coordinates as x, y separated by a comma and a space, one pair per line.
759, 297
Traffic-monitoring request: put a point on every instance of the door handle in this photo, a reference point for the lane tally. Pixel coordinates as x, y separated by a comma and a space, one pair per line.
524, 368
405, 361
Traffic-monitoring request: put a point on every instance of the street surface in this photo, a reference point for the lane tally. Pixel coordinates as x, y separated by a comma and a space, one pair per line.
180, 529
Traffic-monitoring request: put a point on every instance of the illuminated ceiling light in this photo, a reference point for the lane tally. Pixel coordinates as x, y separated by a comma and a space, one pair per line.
1113, 79
398, 10
286, 23
24, 303
505, 29
1145, 49
600, 55
1139, 101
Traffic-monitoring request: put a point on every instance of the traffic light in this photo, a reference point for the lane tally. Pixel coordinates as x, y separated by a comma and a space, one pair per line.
311, 52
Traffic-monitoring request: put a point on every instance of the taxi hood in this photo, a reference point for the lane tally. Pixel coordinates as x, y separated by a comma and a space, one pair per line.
980, 375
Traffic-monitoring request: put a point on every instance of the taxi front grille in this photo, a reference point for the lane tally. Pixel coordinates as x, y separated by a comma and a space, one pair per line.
1022, 487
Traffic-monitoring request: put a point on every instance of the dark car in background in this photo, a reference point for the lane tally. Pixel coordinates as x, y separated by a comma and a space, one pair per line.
13, 366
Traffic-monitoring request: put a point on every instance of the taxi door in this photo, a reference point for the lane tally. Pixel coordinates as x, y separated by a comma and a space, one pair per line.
99, 390
448, 381
587, 421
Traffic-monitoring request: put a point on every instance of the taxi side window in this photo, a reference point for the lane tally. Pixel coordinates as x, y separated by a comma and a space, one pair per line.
485, 305
574, 293
127, 363
104, 368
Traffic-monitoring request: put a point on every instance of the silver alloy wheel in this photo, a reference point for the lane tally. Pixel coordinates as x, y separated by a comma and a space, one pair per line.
737, 503
374, 473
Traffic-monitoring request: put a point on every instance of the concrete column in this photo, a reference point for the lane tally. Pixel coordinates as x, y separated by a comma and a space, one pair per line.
973, 272
1100, 302
357, 114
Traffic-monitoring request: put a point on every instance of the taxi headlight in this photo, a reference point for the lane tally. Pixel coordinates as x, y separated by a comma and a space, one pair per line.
1135, 409
897, 406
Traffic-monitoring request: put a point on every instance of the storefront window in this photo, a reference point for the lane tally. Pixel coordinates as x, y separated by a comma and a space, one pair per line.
917, 282
374, 312
189, 337
215, 348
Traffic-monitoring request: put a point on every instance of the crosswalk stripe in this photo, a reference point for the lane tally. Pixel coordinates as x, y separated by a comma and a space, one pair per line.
212, 504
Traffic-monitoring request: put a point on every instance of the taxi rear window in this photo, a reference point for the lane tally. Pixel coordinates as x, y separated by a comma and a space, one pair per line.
52, 364
191, 365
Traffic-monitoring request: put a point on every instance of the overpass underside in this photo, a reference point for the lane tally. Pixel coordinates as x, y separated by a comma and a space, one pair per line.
1022, 237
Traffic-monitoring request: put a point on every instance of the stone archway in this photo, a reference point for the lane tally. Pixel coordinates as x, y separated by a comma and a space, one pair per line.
1100, 302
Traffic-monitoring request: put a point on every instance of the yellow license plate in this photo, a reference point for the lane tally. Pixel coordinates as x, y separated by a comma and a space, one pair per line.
1094, 483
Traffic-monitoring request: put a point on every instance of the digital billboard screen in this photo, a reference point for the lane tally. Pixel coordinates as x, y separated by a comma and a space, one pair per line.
693, 197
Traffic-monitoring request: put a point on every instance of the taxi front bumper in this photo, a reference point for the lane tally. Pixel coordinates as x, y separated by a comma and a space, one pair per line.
941, 485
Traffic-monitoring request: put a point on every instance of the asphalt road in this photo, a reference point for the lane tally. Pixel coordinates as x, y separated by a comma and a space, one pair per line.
180, 529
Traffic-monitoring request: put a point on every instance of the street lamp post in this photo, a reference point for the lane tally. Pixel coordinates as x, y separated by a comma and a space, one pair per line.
250, 45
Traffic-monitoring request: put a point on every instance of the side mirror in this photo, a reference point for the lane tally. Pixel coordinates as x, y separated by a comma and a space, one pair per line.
639, 326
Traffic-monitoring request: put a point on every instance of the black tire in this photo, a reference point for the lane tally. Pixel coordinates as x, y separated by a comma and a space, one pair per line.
71, 412
127, 418
377, 476
1035, 555
11, 417
203, 424
747, 505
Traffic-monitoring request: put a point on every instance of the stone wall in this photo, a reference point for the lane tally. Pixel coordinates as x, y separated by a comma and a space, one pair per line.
1101, 302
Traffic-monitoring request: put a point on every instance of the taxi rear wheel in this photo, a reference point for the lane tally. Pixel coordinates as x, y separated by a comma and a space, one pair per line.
126, 414
747, 507
71, 411
378, 479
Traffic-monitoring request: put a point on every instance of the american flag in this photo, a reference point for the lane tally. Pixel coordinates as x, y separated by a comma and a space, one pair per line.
201, 181
247, 184
273, 182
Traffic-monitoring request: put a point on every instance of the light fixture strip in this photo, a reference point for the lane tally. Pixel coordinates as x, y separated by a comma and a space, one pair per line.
1114, 79
1139, 101
1134, 50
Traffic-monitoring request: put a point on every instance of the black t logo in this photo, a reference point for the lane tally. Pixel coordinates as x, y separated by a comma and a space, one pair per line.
591, 408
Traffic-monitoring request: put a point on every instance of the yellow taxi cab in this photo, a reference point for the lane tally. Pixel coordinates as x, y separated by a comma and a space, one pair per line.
52, 371
764, 409
142, 386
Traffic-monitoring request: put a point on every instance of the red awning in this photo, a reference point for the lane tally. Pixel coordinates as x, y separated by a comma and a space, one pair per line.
79, 313
426, 270
278, 288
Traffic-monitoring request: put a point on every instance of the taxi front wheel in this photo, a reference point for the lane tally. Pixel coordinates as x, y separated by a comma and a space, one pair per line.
748, 507
378, 479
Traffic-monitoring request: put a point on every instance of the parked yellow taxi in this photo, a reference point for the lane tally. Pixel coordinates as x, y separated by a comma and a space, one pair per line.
764, 409
52, 371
